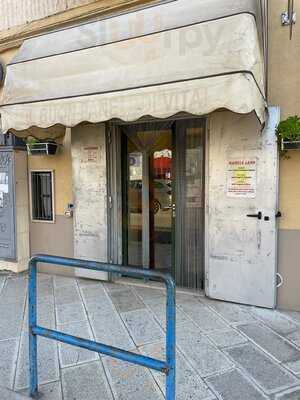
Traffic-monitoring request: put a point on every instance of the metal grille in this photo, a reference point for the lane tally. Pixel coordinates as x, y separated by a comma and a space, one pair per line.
42, 196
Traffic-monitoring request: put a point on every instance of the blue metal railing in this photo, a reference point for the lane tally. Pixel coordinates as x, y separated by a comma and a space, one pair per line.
167, 367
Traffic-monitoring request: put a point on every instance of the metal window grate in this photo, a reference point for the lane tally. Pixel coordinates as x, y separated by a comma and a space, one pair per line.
42, 195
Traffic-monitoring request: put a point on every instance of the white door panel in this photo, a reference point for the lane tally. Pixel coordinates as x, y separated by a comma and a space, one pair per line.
90, 196
241, 251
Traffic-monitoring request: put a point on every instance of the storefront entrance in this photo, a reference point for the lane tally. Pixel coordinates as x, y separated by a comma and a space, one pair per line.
163, 198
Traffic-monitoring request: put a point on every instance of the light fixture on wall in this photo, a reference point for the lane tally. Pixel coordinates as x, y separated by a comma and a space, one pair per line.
289, 17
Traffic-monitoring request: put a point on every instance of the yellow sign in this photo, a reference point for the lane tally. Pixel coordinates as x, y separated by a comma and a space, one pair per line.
241, 178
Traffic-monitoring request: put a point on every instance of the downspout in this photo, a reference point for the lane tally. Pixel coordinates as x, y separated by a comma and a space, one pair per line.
266, 33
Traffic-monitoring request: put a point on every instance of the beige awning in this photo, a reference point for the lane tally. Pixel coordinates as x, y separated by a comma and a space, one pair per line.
158, 69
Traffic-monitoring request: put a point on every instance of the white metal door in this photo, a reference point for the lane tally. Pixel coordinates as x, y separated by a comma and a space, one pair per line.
241, 242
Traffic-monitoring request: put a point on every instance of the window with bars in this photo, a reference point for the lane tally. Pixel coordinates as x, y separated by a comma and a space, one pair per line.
42, 195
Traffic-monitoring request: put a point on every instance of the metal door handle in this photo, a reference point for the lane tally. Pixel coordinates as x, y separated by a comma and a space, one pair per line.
258, 215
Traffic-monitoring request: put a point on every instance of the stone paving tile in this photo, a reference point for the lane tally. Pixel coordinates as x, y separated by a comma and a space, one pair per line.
62, 281
85, 282
189, 385
227, 338
294, 337
14, 290
109, 329
270, 376
6, 394
233, 313
149, 295
44, 299
71, 312
198, 352
202, 316
294, 315
45, 315
8, 360
232, 385
94, 293
85, 382
126, 300
47, 362
295, 342
293, 366
292, 394
185, 299
67, 295
142, 326
204, 357
130, 381
45, 287
270, 342
50, 391
95, 308
114, 286
42, 275
72, 355
11, 320
159, 311
275, 320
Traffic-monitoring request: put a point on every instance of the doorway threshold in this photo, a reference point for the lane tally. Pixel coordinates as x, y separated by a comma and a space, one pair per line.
157, 286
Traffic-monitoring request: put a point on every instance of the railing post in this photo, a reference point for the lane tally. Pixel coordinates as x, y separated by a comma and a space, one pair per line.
171, 341
168, 366
32, 315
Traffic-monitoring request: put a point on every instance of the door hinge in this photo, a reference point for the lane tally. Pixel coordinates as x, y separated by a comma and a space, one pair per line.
110, 202
280, 280
206, 280
288, 18
109, 135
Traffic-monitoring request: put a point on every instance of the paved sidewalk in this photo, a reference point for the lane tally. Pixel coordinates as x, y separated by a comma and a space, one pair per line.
224, 351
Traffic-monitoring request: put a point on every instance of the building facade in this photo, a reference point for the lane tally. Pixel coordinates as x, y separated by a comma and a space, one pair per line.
164, 117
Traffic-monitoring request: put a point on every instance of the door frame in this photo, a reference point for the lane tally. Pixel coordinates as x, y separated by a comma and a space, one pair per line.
206, 202
114, 186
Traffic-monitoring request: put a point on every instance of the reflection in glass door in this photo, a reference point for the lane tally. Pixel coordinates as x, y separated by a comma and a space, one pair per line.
163, 211
147, 195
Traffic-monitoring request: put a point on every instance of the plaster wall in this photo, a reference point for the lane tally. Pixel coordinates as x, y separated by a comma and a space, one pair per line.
55, 238
61, 165
284, 83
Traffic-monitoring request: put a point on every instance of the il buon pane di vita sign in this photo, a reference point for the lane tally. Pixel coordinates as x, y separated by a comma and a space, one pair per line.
241, 178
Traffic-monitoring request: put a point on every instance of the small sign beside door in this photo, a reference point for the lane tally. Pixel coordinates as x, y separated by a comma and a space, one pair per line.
241, 178
91, 154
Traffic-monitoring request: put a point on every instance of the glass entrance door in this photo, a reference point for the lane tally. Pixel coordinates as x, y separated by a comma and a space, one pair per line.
162, 177
147, 194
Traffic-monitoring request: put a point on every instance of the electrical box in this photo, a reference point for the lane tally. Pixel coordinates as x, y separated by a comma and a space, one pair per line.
14, 222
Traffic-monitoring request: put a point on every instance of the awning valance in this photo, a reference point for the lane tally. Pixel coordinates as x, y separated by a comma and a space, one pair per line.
196, 68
